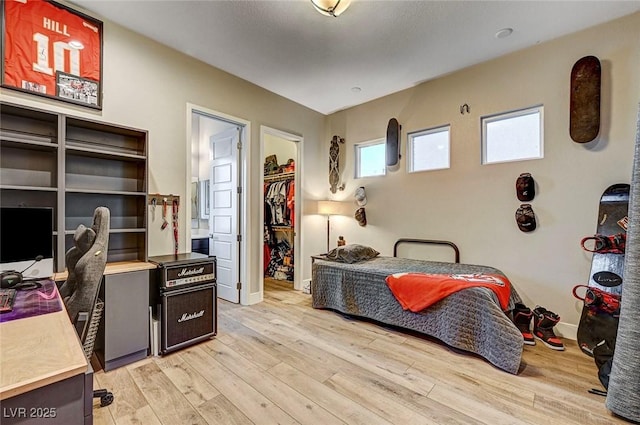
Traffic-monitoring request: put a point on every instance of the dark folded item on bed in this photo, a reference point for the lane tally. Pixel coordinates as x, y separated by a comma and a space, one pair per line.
470, 319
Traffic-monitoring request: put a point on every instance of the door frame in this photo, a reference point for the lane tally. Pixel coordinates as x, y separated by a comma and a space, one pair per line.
244, 178
297, 239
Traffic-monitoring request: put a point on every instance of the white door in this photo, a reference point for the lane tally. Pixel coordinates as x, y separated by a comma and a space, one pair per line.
224, 217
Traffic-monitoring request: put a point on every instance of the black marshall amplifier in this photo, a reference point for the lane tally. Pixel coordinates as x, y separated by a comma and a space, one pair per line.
188, 316
185, 273
187, 299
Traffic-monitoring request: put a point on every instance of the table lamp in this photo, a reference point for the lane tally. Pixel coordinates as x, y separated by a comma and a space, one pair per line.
329, 208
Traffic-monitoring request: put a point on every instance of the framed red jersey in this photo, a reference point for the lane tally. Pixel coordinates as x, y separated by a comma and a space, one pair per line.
51, 50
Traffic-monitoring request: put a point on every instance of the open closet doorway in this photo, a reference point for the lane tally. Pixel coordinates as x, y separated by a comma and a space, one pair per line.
281, 153
218, 220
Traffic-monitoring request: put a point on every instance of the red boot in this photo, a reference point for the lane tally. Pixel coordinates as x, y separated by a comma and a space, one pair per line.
543, 325
522, 316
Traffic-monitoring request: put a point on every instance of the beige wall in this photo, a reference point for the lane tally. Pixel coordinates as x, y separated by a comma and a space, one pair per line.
283, 149
148, 86
473, 205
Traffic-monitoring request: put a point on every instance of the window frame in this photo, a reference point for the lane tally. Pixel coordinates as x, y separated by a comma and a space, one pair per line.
357, 147
530, 110
425, 132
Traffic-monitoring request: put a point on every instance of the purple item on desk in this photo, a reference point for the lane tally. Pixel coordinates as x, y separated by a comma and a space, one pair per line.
34, 302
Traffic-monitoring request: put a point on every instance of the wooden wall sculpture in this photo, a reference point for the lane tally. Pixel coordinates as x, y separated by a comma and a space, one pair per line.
334, 164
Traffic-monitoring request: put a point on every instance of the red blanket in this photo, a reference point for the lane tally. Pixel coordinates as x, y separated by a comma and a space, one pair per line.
417, 291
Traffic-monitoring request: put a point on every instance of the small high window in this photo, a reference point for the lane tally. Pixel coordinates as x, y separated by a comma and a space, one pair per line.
428, 149
370, 158
513, 136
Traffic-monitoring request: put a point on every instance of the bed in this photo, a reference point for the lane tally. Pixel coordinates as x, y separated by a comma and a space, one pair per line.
470, 320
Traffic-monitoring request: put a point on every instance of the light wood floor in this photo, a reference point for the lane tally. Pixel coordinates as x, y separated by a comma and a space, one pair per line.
283, 362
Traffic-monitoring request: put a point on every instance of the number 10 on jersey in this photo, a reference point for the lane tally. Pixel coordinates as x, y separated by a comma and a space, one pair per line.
52, 50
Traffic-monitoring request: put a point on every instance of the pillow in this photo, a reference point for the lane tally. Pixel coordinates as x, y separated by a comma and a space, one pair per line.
352, 253
83, 238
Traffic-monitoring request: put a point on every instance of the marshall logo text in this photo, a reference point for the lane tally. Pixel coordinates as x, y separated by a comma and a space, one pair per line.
191, 316
190, 272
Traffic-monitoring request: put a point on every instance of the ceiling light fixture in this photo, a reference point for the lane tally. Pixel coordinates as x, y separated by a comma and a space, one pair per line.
504, 33
331, 7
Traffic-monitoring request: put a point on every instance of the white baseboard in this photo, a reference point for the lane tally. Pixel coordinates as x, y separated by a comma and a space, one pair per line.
254, 298
567, 330
306, 286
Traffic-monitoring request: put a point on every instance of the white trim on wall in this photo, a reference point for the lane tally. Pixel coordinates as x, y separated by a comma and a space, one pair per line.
297, 240
246, 297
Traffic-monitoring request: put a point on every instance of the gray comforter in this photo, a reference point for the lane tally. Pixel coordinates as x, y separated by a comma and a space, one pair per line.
470, 320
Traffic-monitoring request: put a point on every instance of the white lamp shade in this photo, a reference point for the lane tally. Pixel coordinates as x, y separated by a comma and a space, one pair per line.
331, 7
329, 207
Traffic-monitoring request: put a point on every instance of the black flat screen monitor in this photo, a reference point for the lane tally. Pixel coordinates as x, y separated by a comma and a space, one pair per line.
26, 233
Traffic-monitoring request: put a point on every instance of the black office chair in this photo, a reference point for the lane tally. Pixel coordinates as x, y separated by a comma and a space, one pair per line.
86, 262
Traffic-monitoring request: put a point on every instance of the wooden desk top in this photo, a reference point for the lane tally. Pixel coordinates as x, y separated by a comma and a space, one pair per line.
114, 268
38, 351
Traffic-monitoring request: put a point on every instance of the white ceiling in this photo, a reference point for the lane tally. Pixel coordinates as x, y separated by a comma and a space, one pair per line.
381, 47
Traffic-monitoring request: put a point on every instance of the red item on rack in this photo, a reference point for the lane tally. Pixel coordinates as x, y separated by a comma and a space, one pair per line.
291, 201
175, 225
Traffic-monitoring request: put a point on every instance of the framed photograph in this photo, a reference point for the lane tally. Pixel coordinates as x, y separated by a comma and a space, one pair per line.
53, 51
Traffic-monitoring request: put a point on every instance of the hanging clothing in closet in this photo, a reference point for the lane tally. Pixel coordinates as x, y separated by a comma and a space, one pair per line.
279, 202
279, 219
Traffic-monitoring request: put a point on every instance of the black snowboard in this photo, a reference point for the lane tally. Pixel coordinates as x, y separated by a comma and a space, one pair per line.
595, 325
